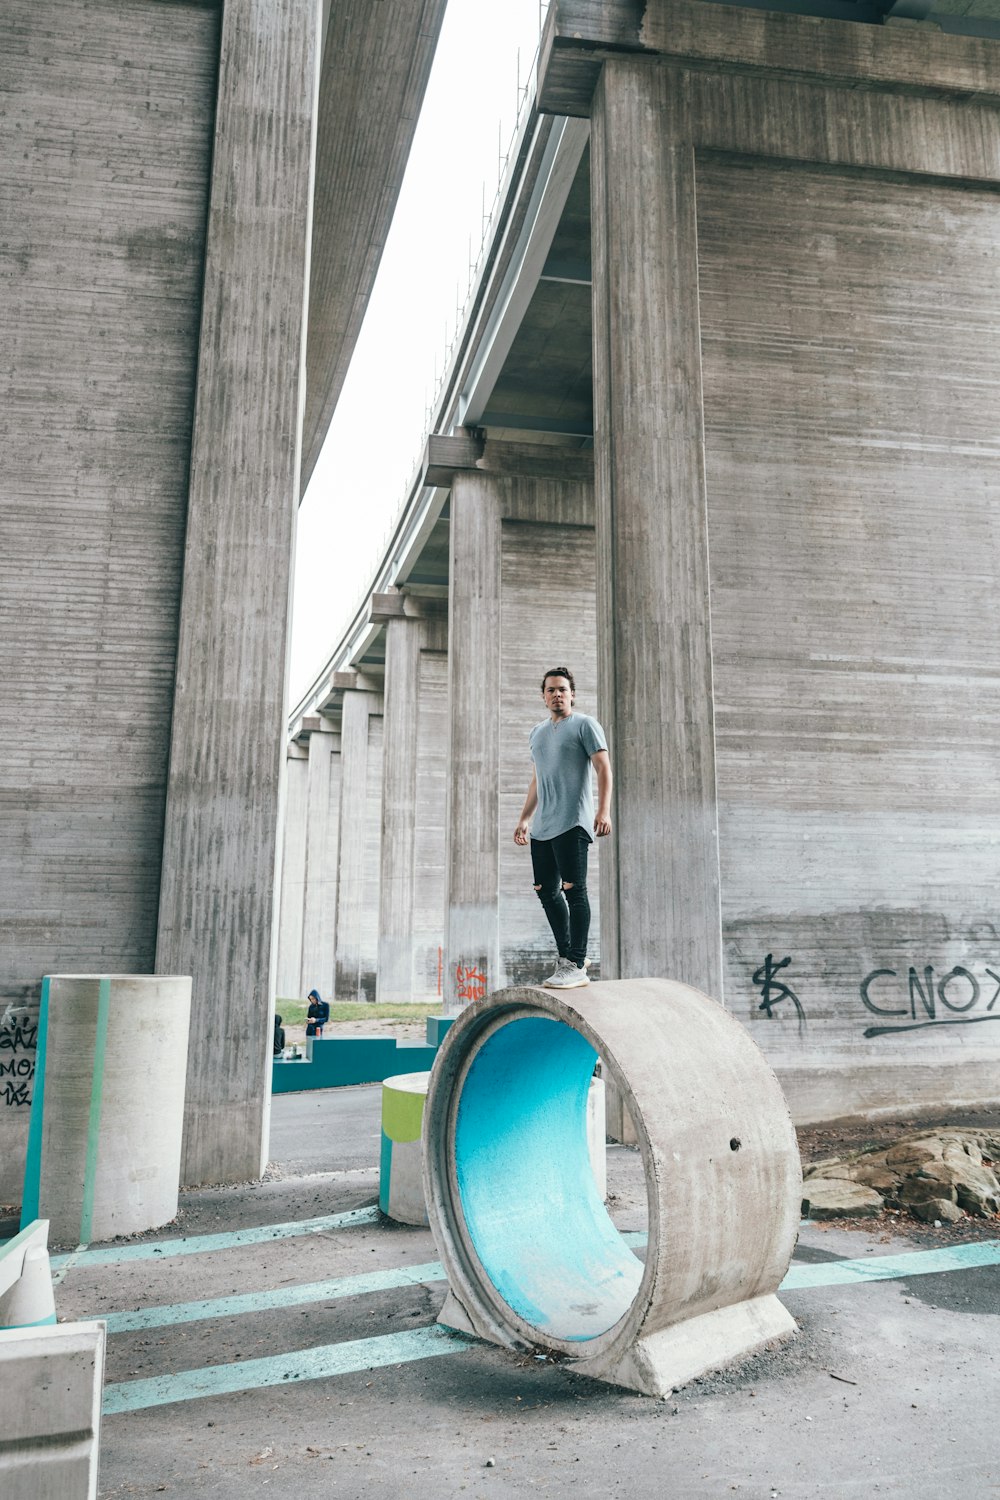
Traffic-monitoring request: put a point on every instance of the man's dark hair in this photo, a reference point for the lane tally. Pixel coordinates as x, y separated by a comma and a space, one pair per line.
559, 672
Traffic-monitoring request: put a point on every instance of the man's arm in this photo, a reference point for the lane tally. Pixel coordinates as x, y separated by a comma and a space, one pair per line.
530, 803
601, 761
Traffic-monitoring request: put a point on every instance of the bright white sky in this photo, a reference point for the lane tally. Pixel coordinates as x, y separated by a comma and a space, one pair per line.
378, 428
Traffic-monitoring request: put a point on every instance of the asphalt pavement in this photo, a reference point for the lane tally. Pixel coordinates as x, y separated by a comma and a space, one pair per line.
281, 1337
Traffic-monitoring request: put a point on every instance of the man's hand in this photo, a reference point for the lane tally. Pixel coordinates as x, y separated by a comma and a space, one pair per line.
521, 832
602, 825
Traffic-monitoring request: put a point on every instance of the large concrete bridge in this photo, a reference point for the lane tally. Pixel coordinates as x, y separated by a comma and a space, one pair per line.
720, 433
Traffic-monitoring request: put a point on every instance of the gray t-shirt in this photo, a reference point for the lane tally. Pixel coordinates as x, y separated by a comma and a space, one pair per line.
561, 752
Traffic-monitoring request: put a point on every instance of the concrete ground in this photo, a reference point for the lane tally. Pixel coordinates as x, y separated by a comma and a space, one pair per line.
890, 1389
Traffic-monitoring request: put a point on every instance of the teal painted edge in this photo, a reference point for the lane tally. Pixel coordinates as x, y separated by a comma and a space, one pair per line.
301, 1364
384, 1173
94, 1120
207, 1244
33, 1161
38, 1323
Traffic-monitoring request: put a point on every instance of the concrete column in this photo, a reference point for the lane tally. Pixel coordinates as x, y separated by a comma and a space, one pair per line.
472, 965
660, 877
357, 891
399, 809
293, 874
217, 895
319, 918
414, 771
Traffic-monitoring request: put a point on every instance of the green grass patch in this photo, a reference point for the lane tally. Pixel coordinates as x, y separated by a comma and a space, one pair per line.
293, 1012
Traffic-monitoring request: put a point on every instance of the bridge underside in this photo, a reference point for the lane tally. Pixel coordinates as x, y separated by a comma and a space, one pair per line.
721, 433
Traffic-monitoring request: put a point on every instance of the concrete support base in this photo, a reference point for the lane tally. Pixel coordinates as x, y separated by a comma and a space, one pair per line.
661, 1362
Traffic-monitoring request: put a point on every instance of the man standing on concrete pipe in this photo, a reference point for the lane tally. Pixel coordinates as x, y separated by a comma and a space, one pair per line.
560, 802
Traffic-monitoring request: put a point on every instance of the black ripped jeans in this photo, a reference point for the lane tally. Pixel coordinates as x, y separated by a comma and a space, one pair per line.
559, 861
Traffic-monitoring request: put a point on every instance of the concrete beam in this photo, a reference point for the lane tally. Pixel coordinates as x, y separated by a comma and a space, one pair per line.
580, 35
354, 682
376, 62
406, 606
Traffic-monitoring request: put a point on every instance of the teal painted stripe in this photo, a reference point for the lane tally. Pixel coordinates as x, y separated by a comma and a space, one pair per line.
422, 1343
799, 1278
286, 1296
893, 1267
279, 1369
33, 1162
94, 1118
205, 1244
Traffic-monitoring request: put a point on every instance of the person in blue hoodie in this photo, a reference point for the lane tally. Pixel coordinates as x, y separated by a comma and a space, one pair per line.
317, 1015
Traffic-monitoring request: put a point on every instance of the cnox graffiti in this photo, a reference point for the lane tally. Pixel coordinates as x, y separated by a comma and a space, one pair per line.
910, 999
18, 1036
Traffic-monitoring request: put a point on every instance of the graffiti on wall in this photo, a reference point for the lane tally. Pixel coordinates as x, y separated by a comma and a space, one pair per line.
18, 1038
773, 990
908, 998
470, 982
960, 997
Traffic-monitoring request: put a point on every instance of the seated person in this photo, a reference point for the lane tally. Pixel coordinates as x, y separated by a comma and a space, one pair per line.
279, 1037
317, 1015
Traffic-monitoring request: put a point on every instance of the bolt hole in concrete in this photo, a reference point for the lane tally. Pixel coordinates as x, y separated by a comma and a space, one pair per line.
735, 1143
528, 1197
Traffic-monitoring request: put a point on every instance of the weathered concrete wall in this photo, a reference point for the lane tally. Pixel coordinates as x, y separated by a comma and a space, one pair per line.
548, 610
293, 873
514, 608
823, 262
100, 287
854, 552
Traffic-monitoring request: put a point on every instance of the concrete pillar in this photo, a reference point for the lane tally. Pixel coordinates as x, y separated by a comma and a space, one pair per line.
293, 874
104, 1146
399, 809
319, 918
217, 895
660, 881
358, 882
472, 965
411, 892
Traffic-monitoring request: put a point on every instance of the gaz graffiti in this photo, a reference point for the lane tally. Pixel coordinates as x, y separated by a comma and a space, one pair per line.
18, 1038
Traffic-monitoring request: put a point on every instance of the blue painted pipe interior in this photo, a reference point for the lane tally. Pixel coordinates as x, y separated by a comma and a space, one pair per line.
528, 1195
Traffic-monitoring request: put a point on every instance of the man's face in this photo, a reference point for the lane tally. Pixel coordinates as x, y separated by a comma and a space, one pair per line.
558, 697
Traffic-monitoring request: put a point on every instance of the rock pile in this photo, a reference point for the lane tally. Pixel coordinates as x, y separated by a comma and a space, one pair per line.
939, 1176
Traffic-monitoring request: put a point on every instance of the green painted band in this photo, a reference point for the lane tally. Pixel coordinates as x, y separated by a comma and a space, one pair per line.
94, 1120
38, 1323
33, 1161
402, 1114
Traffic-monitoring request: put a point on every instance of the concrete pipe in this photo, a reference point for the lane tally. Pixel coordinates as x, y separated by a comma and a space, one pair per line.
107, 1113
532, 1257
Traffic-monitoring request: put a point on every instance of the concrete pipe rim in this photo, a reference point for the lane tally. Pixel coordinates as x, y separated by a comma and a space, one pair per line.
473, 1280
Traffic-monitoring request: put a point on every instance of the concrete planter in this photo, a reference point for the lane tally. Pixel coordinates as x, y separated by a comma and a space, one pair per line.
104, 1142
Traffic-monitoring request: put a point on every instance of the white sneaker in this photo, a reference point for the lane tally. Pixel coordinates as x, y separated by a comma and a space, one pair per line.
566, 976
